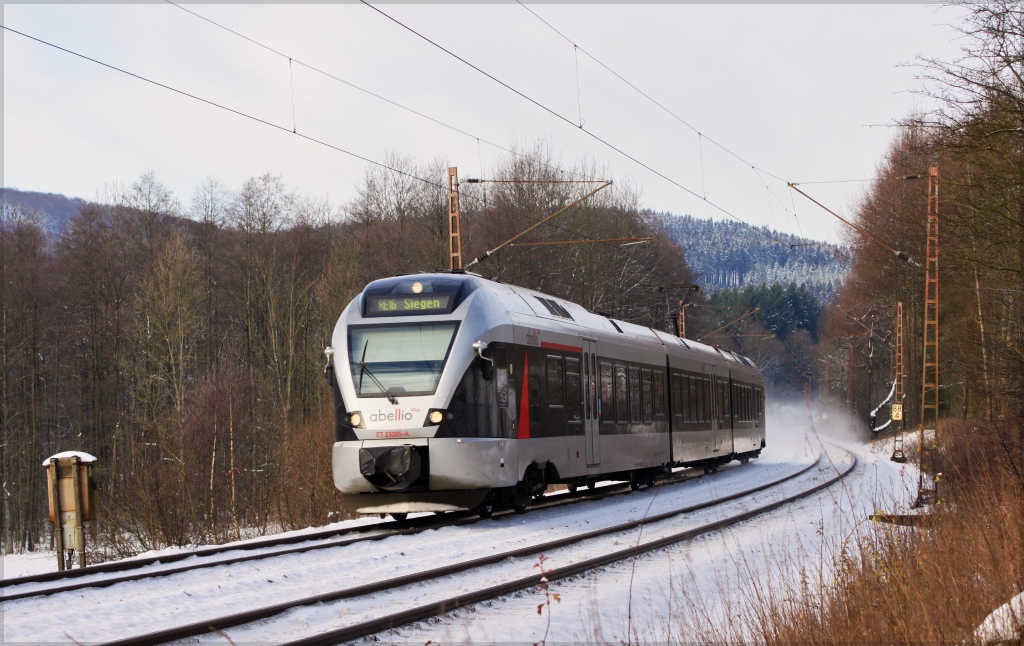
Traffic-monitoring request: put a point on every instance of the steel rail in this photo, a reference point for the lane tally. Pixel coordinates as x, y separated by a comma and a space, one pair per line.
419, 525
130, 564
434, 609
237, 619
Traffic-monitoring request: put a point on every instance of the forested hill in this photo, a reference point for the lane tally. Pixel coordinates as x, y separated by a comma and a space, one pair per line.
726, 254
722, 254
54, 210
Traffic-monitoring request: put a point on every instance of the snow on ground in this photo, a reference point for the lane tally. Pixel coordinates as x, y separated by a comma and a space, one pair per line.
705, 582
1004, 624
653, 597
44, 560
132, 608
38, 562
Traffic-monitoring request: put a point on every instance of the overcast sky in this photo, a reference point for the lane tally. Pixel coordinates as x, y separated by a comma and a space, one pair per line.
789, 88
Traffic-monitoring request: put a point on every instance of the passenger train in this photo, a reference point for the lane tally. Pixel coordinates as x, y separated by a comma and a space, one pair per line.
455, 392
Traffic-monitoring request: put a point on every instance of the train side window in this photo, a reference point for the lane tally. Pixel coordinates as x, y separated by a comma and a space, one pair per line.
588, 381
621, 394
687, 400
677, 395
556, 396
573, 391
647, 395
691, 398
700, 398
556, 388
708, 414
723, 414
634, 394
715, 399
659, 393
712, 400
534, 385
501, 372
607, 410
723, 402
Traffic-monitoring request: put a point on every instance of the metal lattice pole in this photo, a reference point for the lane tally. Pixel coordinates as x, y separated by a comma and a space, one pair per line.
897, 452
927, 491
454, 226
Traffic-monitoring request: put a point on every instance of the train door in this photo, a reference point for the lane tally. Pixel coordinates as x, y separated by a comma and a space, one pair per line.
591, 403
718, 434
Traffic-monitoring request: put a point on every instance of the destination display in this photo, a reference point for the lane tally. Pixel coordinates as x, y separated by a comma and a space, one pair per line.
408, 304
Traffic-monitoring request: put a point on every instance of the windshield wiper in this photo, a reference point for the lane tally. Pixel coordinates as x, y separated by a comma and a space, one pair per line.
363, 366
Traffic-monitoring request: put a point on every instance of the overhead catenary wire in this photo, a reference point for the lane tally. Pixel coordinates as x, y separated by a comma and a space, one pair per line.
700, 136
313, 68
472, 180
546, 243
751, 312
565, 119
379, 97
902, 255
565, 208
291, 80
646, 95
285, 129
837, 181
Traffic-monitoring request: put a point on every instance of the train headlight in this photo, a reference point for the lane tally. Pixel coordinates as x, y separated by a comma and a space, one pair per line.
437, 416
355, 419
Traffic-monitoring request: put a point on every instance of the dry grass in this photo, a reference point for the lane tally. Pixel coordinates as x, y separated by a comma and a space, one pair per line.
935, 584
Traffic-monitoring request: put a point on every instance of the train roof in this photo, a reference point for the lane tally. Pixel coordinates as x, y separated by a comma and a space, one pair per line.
546, 306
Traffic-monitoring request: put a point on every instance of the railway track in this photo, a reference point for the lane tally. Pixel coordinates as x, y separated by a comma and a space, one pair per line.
437, 608
384, 530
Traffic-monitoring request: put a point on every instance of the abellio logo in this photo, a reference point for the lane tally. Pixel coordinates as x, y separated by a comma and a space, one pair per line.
395, 415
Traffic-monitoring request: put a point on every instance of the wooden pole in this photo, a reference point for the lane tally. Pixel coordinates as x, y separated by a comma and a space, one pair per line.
52, 477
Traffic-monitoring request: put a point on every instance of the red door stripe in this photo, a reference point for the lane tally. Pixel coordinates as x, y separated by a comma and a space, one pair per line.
523, 430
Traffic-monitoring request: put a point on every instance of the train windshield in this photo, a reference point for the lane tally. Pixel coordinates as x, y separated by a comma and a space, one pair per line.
405, 359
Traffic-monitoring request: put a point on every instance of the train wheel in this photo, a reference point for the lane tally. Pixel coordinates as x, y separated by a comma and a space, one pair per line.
572, 487
485, 509
634, 482
744, 459
591, 484
400, 517
521, 496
